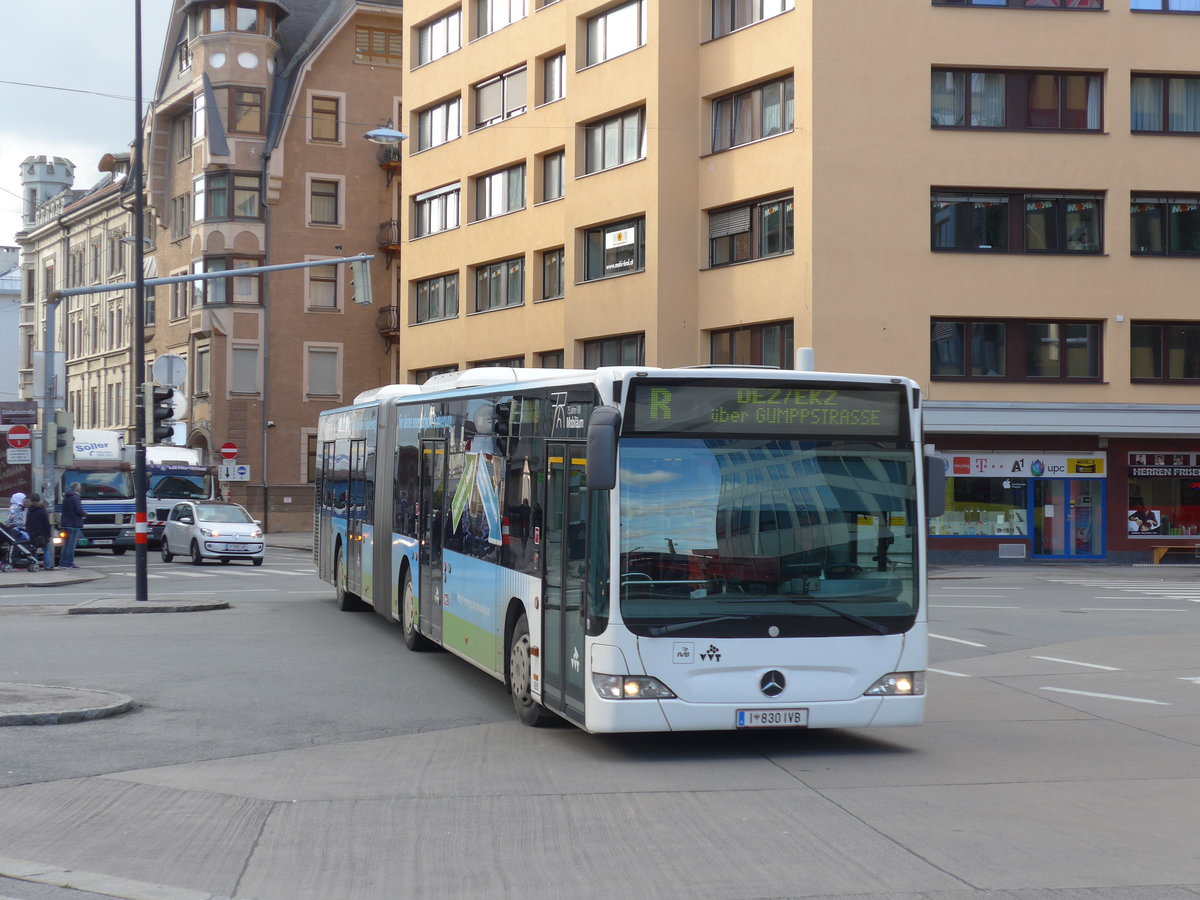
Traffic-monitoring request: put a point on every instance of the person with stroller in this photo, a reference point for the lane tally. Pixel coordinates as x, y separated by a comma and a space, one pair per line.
37, 524
71, 521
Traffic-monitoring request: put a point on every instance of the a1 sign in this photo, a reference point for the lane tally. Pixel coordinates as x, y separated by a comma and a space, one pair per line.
19, 436
229, 450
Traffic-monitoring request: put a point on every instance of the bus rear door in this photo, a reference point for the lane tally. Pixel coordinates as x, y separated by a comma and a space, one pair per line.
434, 510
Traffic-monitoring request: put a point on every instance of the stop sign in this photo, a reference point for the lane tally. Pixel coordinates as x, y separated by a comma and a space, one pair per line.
18, 436
229, 450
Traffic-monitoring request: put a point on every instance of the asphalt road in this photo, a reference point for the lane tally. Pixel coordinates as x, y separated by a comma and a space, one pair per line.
282, 749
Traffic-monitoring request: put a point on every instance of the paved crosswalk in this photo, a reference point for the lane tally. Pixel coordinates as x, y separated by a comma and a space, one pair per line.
1148, 588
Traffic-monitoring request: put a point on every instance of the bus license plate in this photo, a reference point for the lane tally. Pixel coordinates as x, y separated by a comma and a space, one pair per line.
772, 718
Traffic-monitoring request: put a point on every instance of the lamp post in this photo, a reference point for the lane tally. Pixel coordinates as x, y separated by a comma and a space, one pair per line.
388, 136
140, 528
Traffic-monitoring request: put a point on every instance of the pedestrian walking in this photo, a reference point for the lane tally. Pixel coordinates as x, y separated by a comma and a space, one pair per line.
37, 523
71, 521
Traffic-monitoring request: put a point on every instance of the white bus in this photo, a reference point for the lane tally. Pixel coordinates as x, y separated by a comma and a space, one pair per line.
644, 549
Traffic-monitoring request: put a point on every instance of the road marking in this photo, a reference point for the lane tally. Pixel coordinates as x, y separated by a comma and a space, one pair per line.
961, 588
185, 574
981, 596
942, 637
1126, 609
259, 570
1105, 696
1073, 662
946, 672
969, 606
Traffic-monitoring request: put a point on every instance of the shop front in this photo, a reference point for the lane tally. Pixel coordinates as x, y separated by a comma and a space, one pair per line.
1022, 504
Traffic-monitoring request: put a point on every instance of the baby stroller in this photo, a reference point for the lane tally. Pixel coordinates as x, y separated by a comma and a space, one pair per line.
17, 550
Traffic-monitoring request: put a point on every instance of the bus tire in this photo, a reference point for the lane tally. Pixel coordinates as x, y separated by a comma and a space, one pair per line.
520, 669
346, 601
413, 639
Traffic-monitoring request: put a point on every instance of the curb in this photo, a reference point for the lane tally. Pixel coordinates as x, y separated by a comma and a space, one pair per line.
109, 605
97, 882
26, 704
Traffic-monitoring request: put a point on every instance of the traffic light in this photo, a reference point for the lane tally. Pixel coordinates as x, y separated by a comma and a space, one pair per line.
63, 435
158, 411
360, 278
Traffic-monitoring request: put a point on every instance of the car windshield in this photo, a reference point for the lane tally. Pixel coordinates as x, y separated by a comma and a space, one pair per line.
179, 485
738, 537
230, 513
113, 485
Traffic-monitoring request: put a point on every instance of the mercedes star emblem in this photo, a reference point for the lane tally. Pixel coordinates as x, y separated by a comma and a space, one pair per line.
772, 683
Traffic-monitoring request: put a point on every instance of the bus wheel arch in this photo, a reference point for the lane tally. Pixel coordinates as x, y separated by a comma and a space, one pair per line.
346, 601
406, 606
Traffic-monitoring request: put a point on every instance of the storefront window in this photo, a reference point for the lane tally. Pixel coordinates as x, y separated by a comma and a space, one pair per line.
982, 506
1164, 494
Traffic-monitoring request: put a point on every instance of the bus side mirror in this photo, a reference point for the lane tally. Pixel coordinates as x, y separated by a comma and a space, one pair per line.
603, 428
935, 486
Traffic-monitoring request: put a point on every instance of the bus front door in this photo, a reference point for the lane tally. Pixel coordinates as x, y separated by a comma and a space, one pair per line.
565, 524
356, 501
432, 523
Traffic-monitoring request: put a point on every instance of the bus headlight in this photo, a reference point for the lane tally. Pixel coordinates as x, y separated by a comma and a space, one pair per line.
631, 687
898, 684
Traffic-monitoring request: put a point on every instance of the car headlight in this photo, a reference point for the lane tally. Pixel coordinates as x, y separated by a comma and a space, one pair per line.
898, 684
210, 532
256, 533
631, 687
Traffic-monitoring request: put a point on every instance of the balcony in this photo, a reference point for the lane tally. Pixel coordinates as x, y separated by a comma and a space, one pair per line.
387, 323
389, 161
388, 239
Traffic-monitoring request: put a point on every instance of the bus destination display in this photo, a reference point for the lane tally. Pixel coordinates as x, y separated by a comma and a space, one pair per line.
767, 409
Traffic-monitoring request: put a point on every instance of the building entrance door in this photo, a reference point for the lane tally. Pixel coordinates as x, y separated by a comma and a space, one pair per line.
1068, 518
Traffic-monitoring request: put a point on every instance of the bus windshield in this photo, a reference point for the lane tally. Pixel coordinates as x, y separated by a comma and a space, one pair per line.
748, 537
111, 485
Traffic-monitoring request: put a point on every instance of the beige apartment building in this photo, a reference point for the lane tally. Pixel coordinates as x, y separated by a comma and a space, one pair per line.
997, 198
255, 157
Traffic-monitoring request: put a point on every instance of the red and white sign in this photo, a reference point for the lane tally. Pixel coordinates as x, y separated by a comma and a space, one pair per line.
229, 450
19, 436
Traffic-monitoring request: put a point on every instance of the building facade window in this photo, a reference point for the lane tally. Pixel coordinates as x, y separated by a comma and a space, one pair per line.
506, 362
554, 176
1042, 223
181, 136
225, 195
202, 372
441, 36
554, 77
378, 46
243, 369
750, 231
180, 292
551, 359
1164, 351
199, 117
1164, 104
438, 124
500, 98
500, 192
436, 298
616, 249
1026, 4
624, 350
1191, 6
770, 344
324, 119
323, 365
615, 141
1164, 226
1015, 349
616, 31
762, 111
181, 216
322, 288
1016, 100
420, 376
730, 15
553, 283
492, 15
245, 111
116, 251
500, 284
436, 211
324, 206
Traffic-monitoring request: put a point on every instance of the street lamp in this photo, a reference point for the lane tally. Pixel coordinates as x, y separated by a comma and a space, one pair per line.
385, 134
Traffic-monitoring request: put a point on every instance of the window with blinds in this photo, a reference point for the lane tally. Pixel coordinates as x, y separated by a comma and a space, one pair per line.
378, 46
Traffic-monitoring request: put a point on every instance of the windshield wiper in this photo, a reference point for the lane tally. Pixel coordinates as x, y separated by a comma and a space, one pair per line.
858, 620
681, 626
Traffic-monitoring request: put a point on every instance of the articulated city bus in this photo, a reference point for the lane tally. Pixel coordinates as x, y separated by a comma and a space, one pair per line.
644, 549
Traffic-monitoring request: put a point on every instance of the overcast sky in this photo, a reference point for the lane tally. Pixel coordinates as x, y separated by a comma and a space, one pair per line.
67, 87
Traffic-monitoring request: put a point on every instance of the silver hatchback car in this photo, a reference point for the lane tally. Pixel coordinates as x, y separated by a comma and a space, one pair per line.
212, 529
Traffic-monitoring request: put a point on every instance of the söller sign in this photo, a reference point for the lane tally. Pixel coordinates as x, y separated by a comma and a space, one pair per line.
805, 409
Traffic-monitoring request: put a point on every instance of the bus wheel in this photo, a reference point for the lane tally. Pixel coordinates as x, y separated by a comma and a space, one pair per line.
413, 639
346, 601
529, 711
